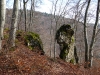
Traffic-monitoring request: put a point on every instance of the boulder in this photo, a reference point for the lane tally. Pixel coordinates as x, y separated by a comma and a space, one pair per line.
66, 41
33, 41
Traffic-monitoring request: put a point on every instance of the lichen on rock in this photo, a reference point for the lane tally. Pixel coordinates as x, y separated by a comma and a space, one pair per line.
65, 39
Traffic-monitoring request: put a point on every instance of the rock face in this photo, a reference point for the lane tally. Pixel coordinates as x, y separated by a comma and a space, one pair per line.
32, 40
65, 39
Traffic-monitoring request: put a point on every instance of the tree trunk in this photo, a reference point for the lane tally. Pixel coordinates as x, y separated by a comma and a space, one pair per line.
85, 34
51, 20
94, 35
25, 13
20, 16
2, 19
12, 33
31, 15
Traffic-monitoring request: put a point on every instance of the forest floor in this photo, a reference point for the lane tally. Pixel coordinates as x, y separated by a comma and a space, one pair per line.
22, 61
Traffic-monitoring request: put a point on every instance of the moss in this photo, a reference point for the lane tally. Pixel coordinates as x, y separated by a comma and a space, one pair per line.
6, 29
72, 39
6, 36
63, 55
35, 39
64, 52
19, 32
72, 61
34, 36
6, 33
30, 47
66, 43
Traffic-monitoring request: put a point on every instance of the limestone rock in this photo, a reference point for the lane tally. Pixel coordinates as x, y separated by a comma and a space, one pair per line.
65, 39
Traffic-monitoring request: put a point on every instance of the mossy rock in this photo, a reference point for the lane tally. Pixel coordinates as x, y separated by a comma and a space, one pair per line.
32, 40
63, 54
65, 39
72, 61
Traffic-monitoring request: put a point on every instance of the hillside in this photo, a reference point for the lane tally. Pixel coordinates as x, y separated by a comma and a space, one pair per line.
24, 62
42, 26
20, 60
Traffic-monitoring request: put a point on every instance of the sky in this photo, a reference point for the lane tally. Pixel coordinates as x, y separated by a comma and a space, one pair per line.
43, 7
46, 6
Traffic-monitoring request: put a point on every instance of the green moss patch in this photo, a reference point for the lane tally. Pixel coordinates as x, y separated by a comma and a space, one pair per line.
33, 40
72, 61
30, 39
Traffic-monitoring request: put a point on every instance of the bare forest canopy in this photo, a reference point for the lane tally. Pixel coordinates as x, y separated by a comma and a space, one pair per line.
42, 25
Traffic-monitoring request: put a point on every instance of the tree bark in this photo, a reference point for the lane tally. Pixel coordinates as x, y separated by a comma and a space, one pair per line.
32, 16
85, 34
12, 33
25, 13
2, 19
94, 35
20, 16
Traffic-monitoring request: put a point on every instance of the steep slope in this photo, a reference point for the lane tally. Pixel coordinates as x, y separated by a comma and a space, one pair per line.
22, 61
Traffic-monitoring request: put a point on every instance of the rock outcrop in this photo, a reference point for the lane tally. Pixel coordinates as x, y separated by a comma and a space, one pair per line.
65, 39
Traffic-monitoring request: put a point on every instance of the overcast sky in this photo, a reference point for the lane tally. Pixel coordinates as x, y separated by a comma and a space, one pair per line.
46, 6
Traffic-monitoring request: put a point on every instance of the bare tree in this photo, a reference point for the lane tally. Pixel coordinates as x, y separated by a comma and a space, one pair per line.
77, 16
28, 20
94, 34
20, 15
2, 19
12, 33
32, 16
85, 33
89, 49
25, 12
